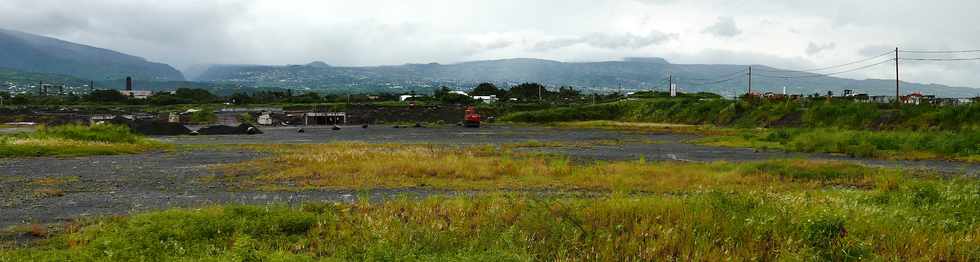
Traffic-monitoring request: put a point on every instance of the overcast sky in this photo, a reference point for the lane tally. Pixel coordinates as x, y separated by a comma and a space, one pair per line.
788, 34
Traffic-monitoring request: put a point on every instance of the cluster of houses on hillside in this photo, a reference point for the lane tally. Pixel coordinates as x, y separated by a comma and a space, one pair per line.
914, 98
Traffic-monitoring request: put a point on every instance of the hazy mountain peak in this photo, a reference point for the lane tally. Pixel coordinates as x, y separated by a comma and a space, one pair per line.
36, 53
317, 64
655, 60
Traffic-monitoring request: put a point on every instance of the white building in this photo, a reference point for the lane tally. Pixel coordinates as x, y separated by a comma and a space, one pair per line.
490, 99
406, 97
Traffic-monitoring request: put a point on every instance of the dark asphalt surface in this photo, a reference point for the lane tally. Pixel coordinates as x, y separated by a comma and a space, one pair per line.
106, 185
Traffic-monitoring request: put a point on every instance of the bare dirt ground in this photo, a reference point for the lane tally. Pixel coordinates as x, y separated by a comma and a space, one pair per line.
47, 190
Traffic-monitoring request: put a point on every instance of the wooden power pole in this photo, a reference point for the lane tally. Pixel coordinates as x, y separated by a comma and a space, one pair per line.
898, 95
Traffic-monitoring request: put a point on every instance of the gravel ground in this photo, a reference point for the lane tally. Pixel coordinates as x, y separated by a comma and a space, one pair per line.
107, 185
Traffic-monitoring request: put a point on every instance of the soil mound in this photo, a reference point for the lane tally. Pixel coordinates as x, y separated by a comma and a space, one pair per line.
152, 128
243, 129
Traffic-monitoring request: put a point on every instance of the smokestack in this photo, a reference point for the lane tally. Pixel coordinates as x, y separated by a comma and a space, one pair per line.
129, 83
91, 86
40, 88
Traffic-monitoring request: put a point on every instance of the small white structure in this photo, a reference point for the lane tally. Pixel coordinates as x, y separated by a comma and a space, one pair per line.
673, 90
265, 119
406, 97
174, 117
459, 93
490, 99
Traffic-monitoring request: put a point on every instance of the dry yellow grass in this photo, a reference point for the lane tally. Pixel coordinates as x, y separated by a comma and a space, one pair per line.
648, 127
360, 166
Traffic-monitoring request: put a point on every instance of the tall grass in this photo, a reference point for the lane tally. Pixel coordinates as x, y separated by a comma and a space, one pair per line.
838, 114
76, 140
880, 144
883, 224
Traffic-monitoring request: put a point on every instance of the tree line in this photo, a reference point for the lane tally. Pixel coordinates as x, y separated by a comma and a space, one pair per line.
522, 93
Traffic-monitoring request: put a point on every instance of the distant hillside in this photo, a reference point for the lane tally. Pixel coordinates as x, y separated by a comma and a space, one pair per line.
34, 53
631, 74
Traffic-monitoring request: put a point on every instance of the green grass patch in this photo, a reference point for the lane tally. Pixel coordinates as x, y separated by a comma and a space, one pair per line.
745, 114
911, 145
76, 140
823, 226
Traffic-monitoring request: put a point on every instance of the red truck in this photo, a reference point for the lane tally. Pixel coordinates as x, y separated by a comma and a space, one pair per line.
472, 119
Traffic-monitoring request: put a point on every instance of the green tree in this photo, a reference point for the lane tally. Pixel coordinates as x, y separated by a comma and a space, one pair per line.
105, 96
568, 93
529, 91
196, 95
487, 89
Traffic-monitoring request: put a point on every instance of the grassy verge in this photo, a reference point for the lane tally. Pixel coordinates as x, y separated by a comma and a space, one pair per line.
911, 145
75, 140
901, 218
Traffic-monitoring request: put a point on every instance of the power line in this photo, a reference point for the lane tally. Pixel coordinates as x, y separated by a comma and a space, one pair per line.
717, 81
829, 74
721, 76
941, 59
829, 67
940, 51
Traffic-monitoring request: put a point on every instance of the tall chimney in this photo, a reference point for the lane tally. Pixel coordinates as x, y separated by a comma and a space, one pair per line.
129, 83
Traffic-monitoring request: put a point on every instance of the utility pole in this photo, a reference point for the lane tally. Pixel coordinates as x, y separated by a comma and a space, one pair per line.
898, 96
540, 98
750, 81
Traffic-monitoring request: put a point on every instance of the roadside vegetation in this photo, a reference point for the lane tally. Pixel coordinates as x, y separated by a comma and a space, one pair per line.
632, 210
76, 140
902, 144
852, 128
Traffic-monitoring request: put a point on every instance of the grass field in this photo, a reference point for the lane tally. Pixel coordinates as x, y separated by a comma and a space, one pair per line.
371, 166
632, 210
908, 145
76, 140
855, 129
880, 144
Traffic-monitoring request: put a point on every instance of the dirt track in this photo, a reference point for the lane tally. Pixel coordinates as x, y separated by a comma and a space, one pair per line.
102, 185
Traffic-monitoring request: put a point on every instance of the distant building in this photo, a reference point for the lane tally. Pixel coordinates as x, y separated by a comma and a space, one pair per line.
406, 97
882, 99
138, 94
490, 99
917, 98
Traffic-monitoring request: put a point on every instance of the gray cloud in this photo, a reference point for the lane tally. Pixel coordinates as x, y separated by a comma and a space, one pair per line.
814, 48
372, 32
725, 27
607, 41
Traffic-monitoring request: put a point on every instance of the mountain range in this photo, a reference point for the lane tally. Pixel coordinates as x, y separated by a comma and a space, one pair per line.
25, 56
630, 74
39, 54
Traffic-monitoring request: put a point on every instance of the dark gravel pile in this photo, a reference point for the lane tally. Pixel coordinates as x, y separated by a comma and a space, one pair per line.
153, 128
243, 129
